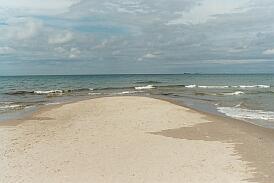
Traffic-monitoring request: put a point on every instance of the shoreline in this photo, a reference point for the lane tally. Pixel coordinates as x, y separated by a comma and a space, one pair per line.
219, 116
31, 114
248, 143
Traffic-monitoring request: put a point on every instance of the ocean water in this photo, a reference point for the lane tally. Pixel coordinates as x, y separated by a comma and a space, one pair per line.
246, 97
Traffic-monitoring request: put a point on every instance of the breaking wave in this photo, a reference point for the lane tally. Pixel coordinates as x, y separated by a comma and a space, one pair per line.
241, 113
225, 86
10, 106
128, 92
148, 82
234, 93
144, 87
217, 87
191, 86
252, 86
95, 93
48, 92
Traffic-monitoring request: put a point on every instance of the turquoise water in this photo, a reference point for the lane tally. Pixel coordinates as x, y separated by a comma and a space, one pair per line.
248, 97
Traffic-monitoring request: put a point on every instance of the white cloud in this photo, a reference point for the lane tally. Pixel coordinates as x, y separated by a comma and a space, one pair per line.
61, 38
6, 50
22, 28
130, 7
269, 52
149, 55
60, 50
68, 52
207, 10
74, 53
103, 44
234, 62
97, 29
34, 6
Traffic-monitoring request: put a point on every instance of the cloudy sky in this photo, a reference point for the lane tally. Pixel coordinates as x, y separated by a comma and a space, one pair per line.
136, 36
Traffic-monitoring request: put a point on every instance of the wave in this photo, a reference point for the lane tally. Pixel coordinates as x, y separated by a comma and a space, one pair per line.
113, 88
221, 87
203, 86
170, 86
128, 92
46, 92
203, 94
10, 106
53, 103
252, 86
144, 87
220, 94
148, 82
226, 86
61, 92
168, 94
78, 90
20, 92
49, 92
241, 113
191, 86
119, 93
234, 93
94, 93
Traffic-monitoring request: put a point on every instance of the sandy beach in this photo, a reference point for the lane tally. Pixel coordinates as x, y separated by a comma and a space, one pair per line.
133, 139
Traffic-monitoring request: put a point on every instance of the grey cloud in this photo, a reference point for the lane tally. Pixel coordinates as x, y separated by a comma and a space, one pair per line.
61, 38
128, 33
6, 50
21, 28
269, 52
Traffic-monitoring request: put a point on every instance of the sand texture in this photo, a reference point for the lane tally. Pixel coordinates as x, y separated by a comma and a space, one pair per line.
133, 139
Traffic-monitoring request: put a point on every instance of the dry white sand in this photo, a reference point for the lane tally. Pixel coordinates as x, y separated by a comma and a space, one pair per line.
116, 140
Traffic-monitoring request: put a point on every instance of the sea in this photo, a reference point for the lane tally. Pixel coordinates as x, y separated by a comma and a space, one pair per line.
248, 97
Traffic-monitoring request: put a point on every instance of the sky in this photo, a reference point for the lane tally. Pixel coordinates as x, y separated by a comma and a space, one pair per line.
136, 36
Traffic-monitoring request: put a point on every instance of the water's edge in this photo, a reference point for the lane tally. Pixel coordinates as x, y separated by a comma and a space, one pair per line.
28, 115
246, 97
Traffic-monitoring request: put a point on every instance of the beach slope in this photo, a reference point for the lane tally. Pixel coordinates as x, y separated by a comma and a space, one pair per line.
133, 139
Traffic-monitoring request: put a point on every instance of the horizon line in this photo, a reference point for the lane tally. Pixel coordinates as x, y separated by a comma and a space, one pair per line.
136, 74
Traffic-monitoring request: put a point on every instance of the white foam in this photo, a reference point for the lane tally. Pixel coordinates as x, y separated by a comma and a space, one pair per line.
237, 112
190, 86
234, 93
5, 103
213, 86
128, 92
252, 86
10, 106
53, 103
48, 92
144, 87
95, 93
223, 87
263, 86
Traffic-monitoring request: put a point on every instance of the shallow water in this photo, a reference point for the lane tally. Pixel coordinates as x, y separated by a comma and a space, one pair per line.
248, 97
